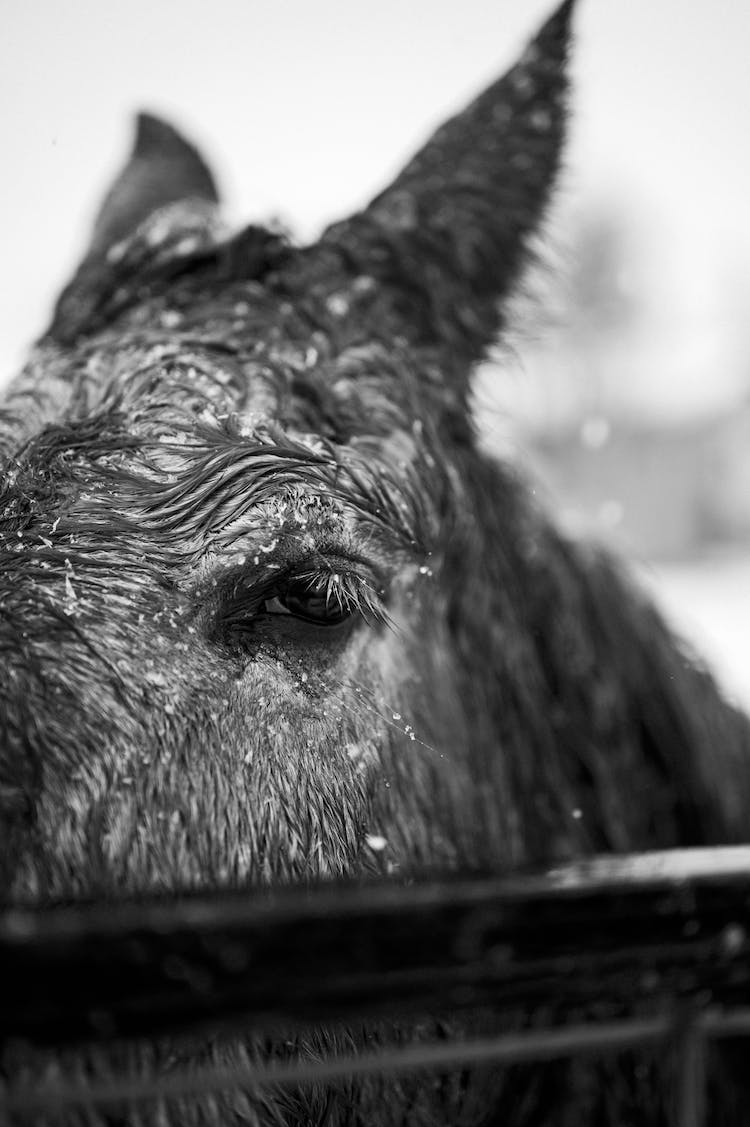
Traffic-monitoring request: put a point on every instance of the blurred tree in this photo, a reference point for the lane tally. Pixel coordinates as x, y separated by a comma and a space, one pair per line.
603, 306
601, 295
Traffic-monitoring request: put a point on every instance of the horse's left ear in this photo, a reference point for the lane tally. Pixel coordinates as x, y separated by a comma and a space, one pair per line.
451, 231
163, 168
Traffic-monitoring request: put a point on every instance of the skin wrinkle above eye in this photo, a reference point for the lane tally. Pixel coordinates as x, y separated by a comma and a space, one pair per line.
353, 502
222, 481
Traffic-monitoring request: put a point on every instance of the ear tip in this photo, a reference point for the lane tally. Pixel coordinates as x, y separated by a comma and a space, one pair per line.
156, 139
565, 10
559, 23
153, 132
548, 51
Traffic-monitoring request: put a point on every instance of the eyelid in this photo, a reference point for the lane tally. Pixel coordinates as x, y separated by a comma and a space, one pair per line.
248, 591
354, 589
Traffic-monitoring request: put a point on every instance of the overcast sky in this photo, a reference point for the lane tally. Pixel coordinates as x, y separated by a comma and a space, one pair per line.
305, 108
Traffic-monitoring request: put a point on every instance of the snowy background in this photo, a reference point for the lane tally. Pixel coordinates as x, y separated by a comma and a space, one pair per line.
628, 387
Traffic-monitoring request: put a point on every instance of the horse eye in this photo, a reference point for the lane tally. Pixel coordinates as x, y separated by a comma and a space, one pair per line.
315, 600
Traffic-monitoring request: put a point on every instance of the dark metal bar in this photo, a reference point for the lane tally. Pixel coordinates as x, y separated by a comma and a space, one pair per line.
599, 1038
633, 933
595, 1038
692, 1075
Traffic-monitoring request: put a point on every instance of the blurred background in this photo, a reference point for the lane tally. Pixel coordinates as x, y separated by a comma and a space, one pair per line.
624, 385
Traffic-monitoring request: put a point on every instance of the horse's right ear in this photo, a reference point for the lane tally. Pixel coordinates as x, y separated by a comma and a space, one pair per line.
163, 168
449, 236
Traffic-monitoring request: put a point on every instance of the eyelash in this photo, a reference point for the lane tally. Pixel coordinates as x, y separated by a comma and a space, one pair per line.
339, 587
346, 591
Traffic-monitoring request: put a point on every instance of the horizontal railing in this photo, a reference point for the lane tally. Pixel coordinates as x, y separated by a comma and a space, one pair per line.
622, 951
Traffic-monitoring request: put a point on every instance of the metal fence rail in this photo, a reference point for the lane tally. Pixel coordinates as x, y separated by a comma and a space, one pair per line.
660, 940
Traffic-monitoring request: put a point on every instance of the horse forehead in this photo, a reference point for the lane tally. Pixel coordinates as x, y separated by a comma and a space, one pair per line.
151, 385
242, 354
240, 350
173, 393
287, 376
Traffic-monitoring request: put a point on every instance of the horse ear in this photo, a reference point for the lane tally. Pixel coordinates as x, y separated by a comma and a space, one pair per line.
163, 168
164, 171
451, 231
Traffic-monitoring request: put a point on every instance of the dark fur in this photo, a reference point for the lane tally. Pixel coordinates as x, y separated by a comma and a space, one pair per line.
209, 419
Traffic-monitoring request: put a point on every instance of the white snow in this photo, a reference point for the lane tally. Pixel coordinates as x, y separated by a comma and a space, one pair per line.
708, 603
